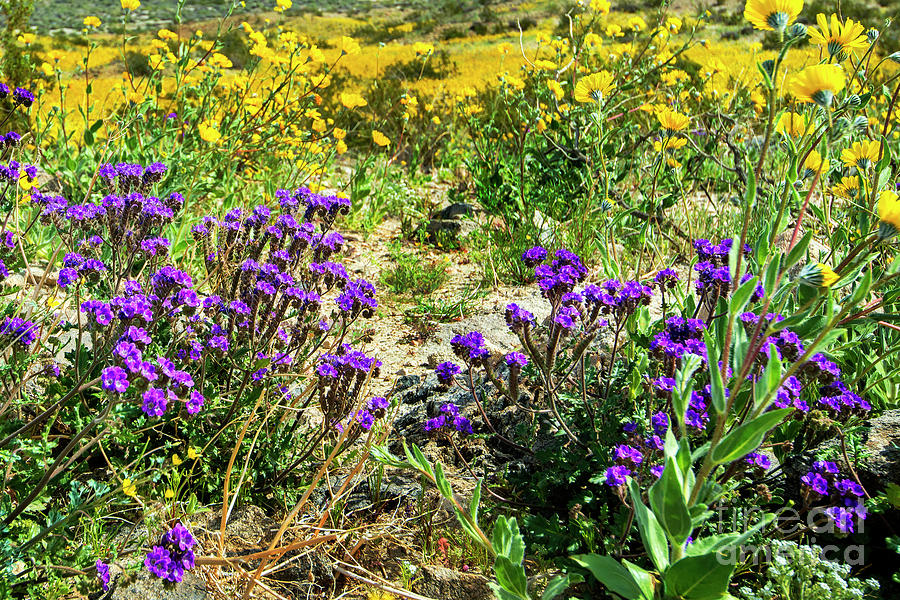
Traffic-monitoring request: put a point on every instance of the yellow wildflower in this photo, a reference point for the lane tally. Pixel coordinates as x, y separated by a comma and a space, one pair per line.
600, 6
176, 460
379, 138
208, 132
128, 488
862, 154
351, 100
556, 88
594, 87
818, 84
772, 15
791, 124
192, 453
92, 22
170, 493
349, 45
671, 120
423, 49
841, 38
282, 5
26, 38
131, 4
888, 214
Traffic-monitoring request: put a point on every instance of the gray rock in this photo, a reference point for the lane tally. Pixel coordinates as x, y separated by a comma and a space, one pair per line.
450, 224
248, 527
447, 584
144, 586
882, 445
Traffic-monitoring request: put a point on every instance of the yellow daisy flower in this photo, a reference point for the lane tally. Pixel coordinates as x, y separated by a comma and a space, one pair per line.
847, 188
208, 132
772, 15
813, 162
128, 488
379, 138
888, 214
862, 154
350, 100
840, 38
671, 120
594, 87
818, 275
91, 22
131, 4
792, 125
818, 84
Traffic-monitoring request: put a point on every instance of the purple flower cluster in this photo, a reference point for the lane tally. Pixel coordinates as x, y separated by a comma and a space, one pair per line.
341, 379
679, 337
14, 170
634, 458
102, 574
559, 277
447, 421
316, 206
375, 409
618, 300
844, 495
76, 267
126, 178
18, 332
818, 374
173, 556
470, 348
446, 371
160, 382
518, 319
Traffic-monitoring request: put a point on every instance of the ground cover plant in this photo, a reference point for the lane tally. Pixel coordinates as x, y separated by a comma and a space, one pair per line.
514, 300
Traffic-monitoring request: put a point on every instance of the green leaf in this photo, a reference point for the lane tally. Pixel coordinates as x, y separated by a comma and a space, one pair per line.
643, 578
507, 540
473, 503
611, 574
443, 485
702, 577
684, 386
770, 379
384, 456
560, 584
798, 251
746, 438
717, 542
742, 295
862, 289
652, 533
717, 387
668, 503
511, 576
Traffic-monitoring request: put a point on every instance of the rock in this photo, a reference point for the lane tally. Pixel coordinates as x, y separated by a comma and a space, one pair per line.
308, 574
248, 527
877, 464
449, 225
31, 277
145, 586
447, 584
882, 445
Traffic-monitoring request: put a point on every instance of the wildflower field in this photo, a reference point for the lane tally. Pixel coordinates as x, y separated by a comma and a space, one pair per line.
463, 299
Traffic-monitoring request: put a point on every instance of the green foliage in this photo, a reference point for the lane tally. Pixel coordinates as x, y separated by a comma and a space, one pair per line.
411, 275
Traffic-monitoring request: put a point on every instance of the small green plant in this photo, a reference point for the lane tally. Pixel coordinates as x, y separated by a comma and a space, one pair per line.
410, 275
